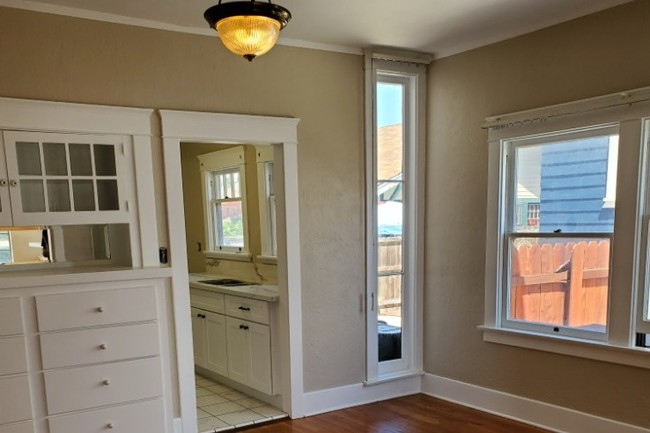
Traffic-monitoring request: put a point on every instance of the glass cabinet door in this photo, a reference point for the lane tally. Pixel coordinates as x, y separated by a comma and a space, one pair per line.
64, 178
5, 206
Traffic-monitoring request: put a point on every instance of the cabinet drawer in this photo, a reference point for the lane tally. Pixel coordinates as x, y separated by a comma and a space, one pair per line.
104, 307
88, 387
13, 358
23, 427
99, 345
146, 417
248, 309
15, 404
11, 322
206, 300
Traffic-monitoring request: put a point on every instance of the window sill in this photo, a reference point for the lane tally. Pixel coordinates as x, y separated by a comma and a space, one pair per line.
393, 377
269, 260
633, 356
240, 257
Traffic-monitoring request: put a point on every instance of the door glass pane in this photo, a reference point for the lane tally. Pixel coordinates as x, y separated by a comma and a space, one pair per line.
83, 193
58, 196
29, 159
390, 142
104, 160
55, 160
389, 320
32, 195
80, 162
107, 197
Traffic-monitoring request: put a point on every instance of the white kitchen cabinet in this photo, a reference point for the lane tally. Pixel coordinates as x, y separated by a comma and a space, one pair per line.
56, 179
236, 344
209, 333
249, 354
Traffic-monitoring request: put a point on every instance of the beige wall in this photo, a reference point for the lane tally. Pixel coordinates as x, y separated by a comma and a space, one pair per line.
66, 59
596, 55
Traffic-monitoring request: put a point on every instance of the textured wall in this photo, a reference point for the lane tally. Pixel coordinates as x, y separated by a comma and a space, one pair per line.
595, 55
66, 59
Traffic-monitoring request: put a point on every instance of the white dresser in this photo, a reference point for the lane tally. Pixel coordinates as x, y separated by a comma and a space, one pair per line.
100, 351
15, 401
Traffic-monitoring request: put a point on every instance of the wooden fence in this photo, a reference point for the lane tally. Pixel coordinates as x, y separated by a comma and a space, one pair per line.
563, 284
389, 290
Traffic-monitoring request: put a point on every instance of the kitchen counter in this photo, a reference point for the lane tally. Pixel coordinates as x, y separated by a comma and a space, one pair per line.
264, 292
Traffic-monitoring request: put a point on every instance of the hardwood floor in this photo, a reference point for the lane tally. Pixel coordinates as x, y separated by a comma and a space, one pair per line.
413, 414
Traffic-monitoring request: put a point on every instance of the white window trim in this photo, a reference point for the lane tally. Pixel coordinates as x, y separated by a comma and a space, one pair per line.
267, 235
414, 72
210, 163
628, 109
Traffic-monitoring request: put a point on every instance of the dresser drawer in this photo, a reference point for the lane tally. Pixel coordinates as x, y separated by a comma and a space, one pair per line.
15, 404
13, 358
91, 346
104, 307
207, 300
23, 427
146, 417
87, 387
11, 322
248, 309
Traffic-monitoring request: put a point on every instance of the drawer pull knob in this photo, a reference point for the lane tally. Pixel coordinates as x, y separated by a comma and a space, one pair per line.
100, 309
103, 346
244, 327
106, 382
245, 308
110, 425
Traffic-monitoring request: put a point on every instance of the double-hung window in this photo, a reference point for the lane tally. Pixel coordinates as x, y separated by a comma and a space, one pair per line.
567, 257
224, 192
266, 196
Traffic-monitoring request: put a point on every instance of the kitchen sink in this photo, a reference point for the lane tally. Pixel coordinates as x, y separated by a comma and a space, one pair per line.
228, 282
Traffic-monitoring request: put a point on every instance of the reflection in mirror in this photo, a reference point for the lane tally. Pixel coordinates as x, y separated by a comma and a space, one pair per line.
73, 245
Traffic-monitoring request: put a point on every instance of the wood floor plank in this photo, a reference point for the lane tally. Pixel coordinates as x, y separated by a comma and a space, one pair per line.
412, 414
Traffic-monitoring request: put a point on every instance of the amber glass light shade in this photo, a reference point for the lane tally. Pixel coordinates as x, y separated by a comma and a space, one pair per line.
249, 36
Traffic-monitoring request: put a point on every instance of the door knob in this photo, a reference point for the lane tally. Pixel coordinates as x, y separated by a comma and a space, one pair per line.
13, 182
3, 182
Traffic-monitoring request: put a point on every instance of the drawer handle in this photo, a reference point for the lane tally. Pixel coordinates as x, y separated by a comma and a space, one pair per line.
244, 327
106, 382
103, 347
110, 425
245, 308
99, 309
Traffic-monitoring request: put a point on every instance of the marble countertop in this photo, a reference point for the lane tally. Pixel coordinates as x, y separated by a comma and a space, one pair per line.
264, 292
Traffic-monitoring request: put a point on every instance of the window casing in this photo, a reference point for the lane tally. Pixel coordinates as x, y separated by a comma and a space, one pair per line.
224, 197
621, 179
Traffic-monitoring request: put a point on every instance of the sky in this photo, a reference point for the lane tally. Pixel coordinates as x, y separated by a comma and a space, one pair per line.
389, 104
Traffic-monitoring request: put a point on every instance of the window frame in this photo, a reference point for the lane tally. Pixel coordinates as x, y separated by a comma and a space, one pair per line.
266, 197
631, 112
212, 164
413, 75
508, 230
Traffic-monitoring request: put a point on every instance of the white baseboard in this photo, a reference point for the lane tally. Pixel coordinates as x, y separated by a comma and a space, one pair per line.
544, 415
331, 399
178, 425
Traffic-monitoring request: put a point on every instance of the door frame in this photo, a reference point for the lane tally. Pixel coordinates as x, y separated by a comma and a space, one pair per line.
282, 134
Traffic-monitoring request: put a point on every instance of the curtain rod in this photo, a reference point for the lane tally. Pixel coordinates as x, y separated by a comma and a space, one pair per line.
540, 115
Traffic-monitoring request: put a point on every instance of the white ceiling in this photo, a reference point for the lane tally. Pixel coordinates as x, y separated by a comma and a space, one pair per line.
438, 27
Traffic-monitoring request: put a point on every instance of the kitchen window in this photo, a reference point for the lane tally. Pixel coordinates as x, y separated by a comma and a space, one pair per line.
566, 257
224, 192
266, 195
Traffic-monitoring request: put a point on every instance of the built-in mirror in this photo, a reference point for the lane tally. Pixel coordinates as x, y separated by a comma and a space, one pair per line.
71, 245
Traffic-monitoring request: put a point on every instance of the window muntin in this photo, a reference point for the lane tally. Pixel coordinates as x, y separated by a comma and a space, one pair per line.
557, 257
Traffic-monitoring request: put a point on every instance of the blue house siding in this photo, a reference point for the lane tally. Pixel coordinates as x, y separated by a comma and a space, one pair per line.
573, 186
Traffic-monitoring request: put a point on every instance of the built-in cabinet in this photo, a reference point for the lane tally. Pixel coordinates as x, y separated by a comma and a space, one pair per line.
232, 337
15, 400
55, 179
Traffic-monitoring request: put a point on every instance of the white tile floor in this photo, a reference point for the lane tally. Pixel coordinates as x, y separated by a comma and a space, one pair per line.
221, 408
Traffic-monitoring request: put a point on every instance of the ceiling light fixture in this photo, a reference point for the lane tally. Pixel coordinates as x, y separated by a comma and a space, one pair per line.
248, 28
